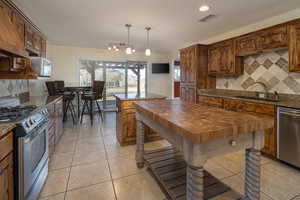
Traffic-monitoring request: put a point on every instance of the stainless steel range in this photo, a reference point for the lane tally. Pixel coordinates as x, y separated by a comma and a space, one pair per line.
30, 148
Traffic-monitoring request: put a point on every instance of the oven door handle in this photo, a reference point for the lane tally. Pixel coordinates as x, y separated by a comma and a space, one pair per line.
32, 134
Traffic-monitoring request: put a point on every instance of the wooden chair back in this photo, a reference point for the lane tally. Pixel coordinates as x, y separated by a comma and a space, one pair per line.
60, 86
51, 88
98, 88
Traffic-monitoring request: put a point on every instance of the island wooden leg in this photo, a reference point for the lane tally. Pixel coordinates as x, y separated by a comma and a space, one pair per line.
140, 136
195, 183
252, 174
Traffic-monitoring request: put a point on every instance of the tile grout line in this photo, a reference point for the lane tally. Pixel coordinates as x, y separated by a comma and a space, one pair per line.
106, 157
67, 186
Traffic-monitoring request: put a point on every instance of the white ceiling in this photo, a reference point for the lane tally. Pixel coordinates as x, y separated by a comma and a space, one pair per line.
95, 23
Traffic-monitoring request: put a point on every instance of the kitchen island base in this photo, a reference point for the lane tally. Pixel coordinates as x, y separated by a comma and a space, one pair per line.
196, 154
169, 169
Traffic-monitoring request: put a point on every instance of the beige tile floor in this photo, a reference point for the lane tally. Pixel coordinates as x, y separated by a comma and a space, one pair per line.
89, 164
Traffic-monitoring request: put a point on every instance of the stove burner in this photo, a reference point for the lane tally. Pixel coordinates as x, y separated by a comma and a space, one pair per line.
12, 114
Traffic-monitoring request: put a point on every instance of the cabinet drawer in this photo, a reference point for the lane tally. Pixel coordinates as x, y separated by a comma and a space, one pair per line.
246, 106
6, 145
211, 101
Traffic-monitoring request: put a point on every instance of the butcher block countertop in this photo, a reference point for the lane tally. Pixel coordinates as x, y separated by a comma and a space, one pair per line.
200, 123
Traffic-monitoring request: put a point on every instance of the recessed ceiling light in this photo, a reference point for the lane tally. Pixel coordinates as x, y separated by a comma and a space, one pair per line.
204, 8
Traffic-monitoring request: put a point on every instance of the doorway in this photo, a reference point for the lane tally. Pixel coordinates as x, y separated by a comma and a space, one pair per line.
119, 77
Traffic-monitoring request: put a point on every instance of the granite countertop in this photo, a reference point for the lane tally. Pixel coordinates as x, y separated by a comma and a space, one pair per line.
286, 100
5, 128
199, 123
135, 96
42, 100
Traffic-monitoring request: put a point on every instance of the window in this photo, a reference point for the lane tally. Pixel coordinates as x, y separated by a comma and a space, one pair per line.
119, 77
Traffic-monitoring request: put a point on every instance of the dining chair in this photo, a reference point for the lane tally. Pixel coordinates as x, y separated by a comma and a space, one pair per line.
51, 88
68, 98
91, 98
68, 105
59, 87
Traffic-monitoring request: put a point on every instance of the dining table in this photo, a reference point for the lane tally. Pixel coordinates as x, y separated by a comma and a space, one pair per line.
78, 90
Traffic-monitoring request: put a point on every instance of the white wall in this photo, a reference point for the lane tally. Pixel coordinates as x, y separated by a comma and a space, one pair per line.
65, 60
285, 17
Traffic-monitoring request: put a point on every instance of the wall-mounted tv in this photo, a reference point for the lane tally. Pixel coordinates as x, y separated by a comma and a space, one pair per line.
160, 68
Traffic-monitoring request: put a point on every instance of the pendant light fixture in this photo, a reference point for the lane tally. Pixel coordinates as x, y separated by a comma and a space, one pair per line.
128, 49
148, 50
204, 7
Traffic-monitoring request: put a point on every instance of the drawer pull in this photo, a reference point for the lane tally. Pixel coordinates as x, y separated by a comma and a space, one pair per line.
232, 143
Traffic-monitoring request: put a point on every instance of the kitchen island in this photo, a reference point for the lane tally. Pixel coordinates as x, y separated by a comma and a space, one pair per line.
198, 133
125, 118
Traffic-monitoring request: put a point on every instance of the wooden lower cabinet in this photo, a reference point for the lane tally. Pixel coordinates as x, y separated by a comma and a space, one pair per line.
58, 107
249, 107
126, 125
188, 93
294, 46
210, 101
6, 168
55, 129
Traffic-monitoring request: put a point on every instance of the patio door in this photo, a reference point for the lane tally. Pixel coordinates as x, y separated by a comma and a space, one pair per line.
119, 77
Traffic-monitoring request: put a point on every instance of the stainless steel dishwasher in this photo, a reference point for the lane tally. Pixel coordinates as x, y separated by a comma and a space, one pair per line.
289, 135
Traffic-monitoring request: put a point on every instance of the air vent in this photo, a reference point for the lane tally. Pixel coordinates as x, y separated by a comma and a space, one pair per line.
207, 18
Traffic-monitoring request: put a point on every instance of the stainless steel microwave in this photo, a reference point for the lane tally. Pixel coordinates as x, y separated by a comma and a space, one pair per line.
41, 66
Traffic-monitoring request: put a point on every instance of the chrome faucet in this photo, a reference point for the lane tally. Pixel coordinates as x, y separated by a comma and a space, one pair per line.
264, 86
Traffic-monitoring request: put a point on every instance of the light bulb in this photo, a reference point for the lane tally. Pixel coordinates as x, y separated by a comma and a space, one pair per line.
115, 47
128, 50
133, 50
148, 52
109, 48
204, 8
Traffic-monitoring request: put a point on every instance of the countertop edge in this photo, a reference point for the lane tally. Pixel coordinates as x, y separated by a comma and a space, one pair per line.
284, 103
6, 128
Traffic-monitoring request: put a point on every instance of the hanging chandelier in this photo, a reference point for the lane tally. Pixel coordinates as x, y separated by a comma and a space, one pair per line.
129, 49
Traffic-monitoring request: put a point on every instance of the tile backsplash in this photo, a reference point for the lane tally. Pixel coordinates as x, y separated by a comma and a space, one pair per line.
270, 68
13, 87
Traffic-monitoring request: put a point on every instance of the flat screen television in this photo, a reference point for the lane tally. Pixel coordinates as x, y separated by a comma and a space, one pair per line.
160, 68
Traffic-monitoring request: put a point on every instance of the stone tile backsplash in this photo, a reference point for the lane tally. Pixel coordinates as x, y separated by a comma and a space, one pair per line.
13, 87
270, 68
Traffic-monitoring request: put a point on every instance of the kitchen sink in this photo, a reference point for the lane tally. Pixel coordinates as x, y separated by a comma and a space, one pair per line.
257, 98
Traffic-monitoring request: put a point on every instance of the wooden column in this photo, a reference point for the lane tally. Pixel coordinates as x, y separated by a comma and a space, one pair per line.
252, 174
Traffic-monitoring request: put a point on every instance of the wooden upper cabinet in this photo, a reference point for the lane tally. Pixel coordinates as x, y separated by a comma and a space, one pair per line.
19, 26
188, 61
43, 48
29, 37
272, 38
193, 67
34, 42
12, 31
267, 39
222, 59
294, 46
247, 44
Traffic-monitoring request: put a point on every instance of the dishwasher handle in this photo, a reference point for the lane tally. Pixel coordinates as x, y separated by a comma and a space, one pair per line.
295, 115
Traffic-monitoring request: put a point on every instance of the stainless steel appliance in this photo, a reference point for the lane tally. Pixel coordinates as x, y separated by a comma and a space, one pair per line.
289, 135
41, 66
30, 148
